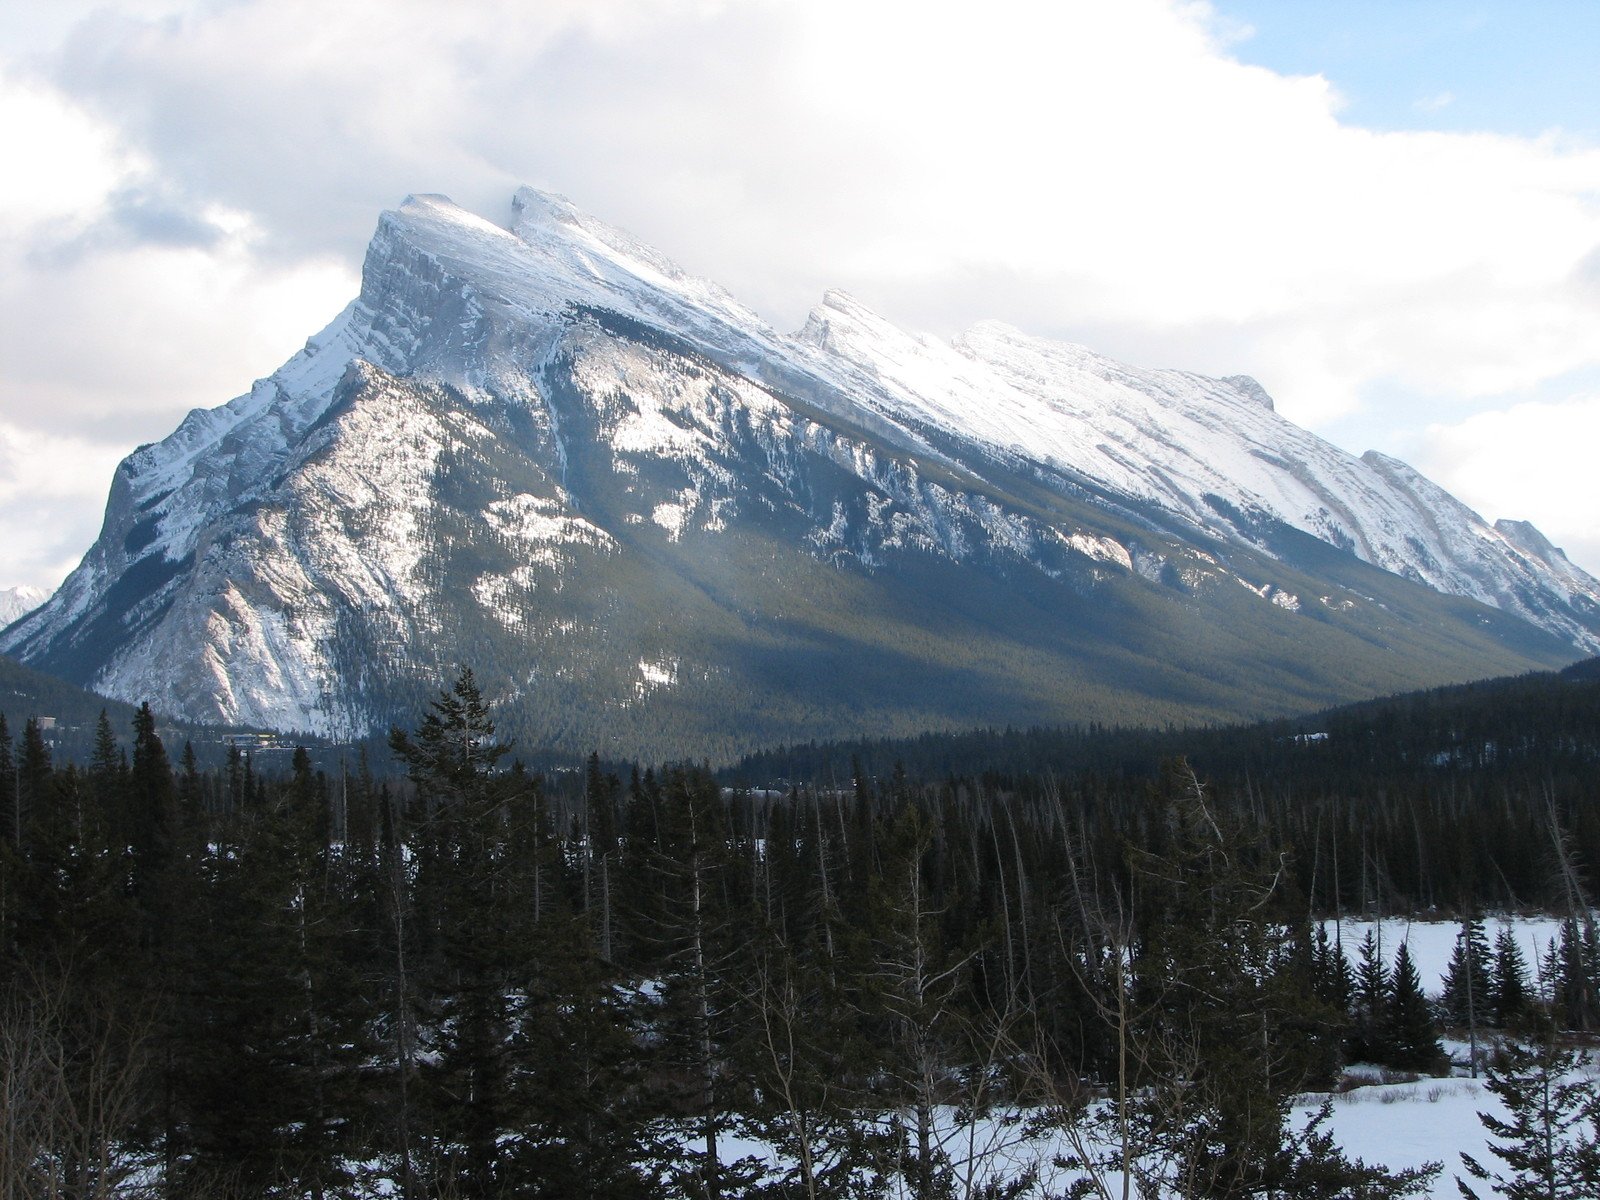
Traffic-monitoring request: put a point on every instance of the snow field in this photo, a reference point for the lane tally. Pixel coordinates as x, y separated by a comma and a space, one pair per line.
1431, 942
1399, 1125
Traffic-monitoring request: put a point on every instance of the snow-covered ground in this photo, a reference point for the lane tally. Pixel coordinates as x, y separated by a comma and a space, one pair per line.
1432, 941
1409, 1124
1399, 1125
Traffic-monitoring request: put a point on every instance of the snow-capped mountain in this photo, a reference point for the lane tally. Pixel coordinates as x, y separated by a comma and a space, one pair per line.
642, 514
16, 601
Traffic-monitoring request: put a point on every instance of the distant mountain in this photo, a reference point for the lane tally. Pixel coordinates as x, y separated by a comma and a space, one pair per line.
656, 525
18, 601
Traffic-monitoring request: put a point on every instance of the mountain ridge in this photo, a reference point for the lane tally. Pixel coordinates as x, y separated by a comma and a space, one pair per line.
549, 451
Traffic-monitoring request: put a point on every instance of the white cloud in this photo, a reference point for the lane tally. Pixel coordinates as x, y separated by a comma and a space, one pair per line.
59, 160
1532, 461
1104, 172
52, 490
120, 344
119, 311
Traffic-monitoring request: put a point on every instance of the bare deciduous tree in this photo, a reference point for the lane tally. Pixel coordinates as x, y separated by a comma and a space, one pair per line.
69, 1096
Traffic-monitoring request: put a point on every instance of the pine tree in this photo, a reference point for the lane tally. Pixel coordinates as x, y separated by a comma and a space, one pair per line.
1511, 994
1549, 1143
453, 752
35, 773
478, 913
1572, 969
600, 855
582, 1077
1409, 1032
808, 1069
108, 775
699, 943
915, 976
1468, 982
395, 969
1467, 1001
237, 792
11, 814
167, 854
1333, 982
1369, 1029
191, 797
274, 1104
75, 913
640, 949
11, 853
157, 831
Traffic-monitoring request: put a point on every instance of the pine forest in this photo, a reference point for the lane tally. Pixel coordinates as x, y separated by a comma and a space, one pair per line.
461, 978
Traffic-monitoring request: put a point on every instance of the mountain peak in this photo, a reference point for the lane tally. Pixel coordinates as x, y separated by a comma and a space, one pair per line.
553, 226
1526, 536
547, 448
435, 207
17, 602
841, 315
1247, 387
531, 206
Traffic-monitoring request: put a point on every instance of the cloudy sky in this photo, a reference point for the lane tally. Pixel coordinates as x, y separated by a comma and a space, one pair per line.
1387, 213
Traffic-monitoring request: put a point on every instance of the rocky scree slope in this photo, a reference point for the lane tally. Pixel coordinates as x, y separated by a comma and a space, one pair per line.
654, 524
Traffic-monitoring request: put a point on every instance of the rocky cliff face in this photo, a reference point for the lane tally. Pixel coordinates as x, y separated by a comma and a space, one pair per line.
643, 515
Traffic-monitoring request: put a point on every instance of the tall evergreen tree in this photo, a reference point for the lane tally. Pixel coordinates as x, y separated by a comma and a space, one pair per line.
1468, 982
587, 1124
156, 828
108, 771
167, 851
1332, 981
809, 1070
916, 975
11, 813
1369, 1029
479, 916
600, 855
1467, 1001
1511, 994
35, 773
700, 941
1572, 972
1410, 1035
275, 1106
11, 851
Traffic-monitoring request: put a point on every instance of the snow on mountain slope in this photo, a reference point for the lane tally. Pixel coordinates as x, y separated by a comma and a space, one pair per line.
19, 601
549, 448
1184, 442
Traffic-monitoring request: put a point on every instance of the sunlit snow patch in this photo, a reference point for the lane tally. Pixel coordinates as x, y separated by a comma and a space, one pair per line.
672, 518
654, 676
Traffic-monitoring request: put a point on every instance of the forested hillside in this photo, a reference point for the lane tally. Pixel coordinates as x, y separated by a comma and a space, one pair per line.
1430, 800
69, 716
1524, 726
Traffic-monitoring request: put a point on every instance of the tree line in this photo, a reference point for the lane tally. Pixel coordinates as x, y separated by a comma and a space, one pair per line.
1446, 800
476, 982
